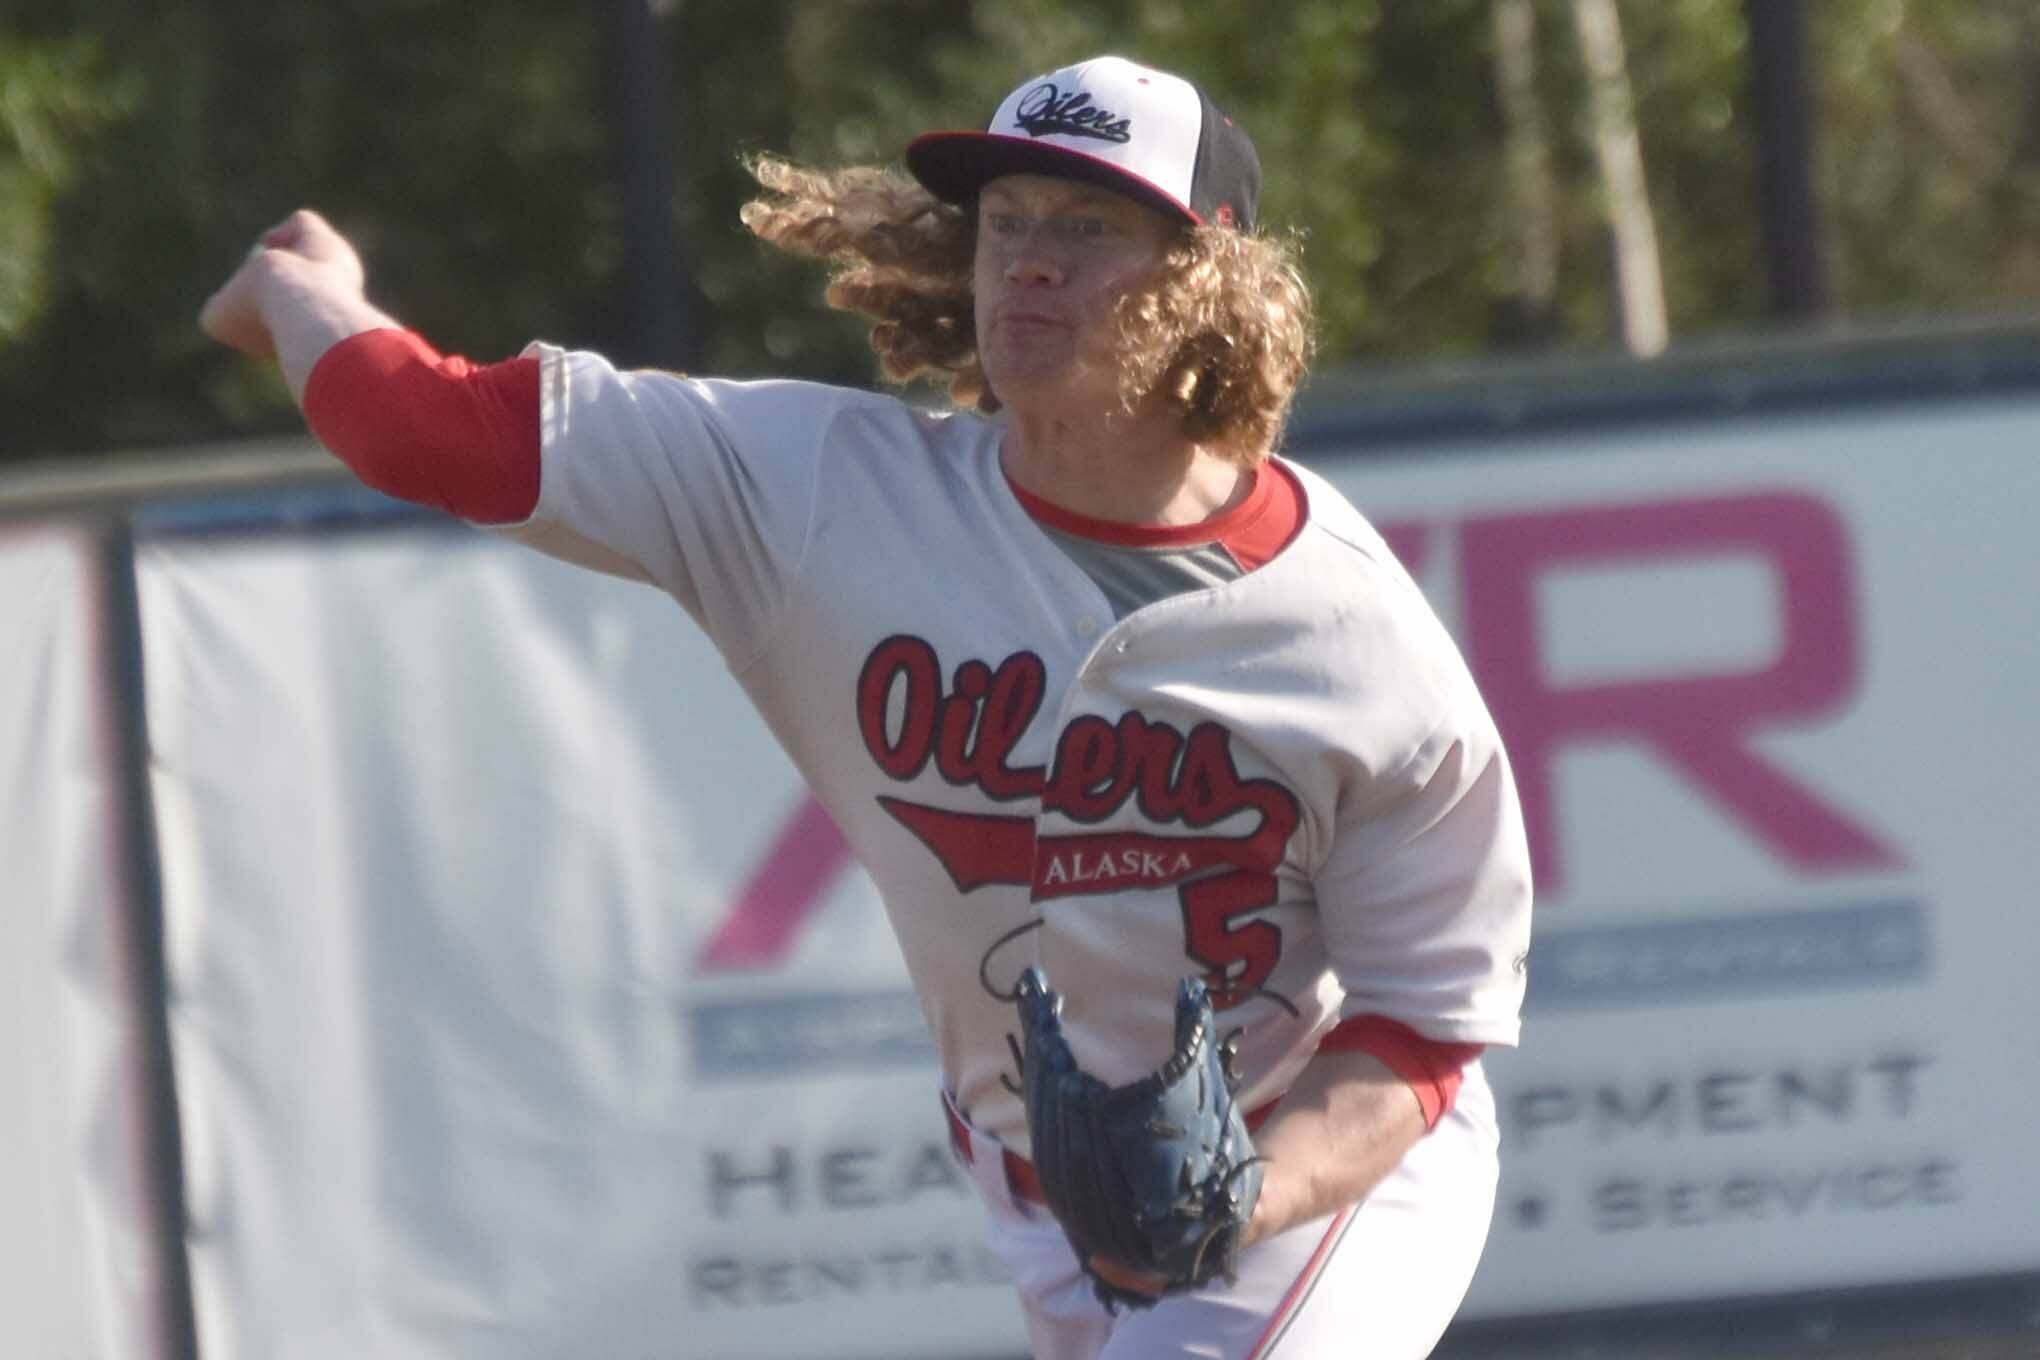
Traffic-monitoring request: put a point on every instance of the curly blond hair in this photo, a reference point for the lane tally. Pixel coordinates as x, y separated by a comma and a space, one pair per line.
1223, 334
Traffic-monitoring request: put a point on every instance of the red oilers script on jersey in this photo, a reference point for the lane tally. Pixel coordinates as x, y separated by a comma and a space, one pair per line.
969, 728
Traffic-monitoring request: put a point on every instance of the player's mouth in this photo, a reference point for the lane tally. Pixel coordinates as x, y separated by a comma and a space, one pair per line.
1028, 320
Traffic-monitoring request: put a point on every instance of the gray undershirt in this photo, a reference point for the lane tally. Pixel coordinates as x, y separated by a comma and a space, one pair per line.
1132, 576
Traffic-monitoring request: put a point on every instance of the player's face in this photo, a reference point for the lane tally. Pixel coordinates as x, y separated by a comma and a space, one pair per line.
1054, 256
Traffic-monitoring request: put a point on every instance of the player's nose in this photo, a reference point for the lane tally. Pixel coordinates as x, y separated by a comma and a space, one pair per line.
1032, 263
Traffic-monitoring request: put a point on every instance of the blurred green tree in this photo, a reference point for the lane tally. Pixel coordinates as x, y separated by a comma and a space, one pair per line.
143, 143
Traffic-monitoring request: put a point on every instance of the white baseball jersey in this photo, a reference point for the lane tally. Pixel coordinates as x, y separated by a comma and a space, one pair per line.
1286, 782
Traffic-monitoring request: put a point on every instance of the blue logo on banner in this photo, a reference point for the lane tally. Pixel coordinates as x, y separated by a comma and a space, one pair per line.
790, 1035
1871, 944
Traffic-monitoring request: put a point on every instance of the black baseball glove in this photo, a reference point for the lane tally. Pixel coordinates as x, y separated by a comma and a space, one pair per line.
1157, 1176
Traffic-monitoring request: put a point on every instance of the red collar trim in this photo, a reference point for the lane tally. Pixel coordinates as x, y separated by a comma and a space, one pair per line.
1234, 523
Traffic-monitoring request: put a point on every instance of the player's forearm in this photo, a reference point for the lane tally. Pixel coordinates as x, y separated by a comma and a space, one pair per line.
307, 312
429, 428
1346, 1123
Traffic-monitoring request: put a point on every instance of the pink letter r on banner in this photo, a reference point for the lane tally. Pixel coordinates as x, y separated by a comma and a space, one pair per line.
1702, 723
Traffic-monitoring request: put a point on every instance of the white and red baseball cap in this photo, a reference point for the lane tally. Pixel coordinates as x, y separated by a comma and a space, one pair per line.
1141, 132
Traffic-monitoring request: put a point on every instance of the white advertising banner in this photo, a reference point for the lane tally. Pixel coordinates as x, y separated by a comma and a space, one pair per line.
1768, 689
524, 1006
77, 1246
522, 1009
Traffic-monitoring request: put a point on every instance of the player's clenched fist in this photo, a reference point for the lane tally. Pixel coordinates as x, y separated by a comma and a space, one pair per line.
297, 294
301, 254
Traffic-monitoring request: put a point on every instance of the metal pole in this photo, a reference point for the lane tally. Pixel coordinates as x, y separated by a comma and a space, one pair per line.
163, 1143
1784, 130
655, 282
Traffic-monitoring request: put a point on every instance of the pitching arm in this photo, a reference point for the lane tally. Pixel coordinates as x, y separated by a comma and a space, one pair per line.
409, 422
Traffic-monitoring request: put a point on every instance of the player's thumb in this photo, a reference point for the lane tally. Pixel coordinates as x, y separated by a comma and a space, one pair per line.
233, 314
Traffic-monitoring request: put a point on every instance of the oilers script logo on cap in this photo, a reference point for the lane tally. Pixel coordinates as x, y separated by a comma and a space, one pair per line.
1108, 121
1045, 110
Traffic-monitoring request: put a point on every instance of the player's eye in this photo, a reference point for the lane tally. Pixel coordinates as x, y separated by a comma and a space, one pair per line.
1002, 223
1083, 228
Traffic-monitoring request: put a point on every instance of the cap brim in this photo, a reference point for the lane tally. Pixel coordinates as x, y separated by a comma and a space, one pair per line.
954, 166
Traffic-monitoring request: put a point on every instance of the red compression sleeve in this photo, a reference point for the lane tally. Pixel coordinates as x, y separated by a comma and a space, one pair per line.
427, 428
1431, 1067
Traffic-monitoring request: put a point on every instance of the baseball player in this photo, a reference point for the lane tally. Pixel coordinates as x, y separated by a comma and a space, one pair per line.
1094, 681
